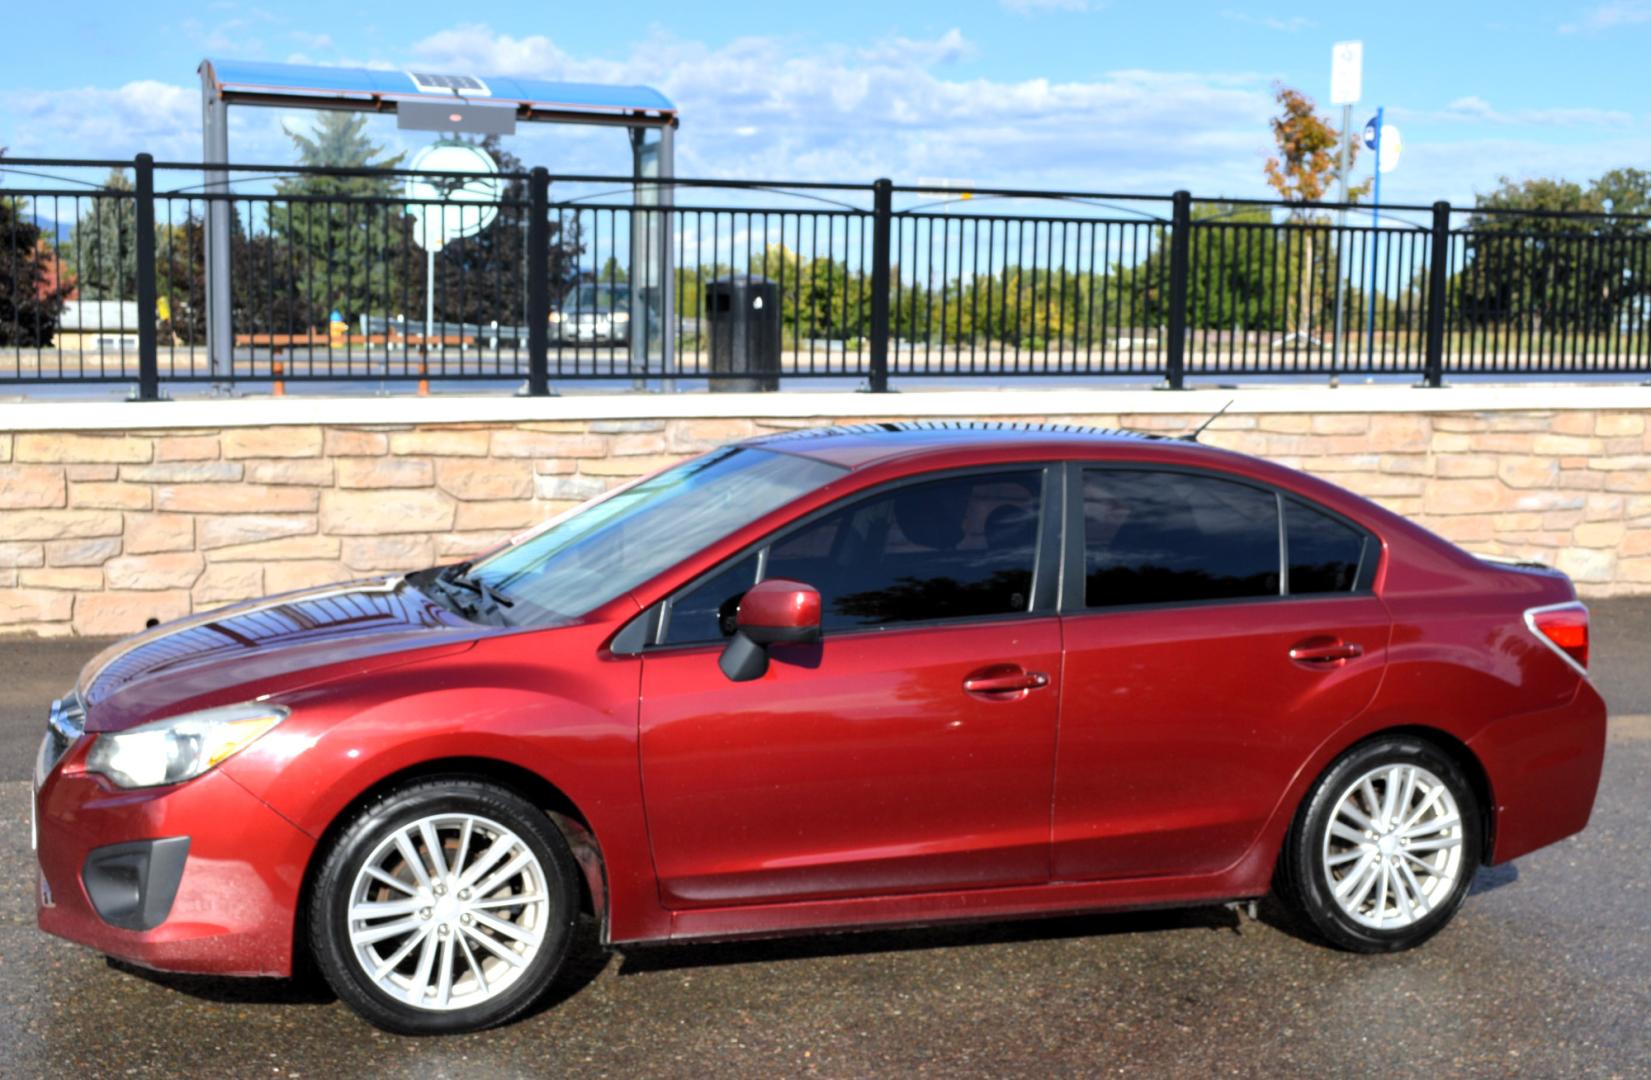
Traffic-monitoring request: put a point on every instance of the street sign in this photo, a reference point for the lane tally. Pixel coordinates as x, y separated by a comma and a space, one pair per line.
451, 205
1346, 72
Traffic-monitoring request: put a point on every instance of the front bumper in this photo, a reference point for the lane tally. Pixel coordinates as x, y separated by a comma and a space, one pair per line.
235, 899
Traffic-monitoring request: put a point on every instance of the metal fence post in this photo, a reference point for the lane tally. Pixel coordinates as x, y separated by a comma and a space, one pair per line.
1438, 273
1180, 241
143, 169
538, 282
882, 220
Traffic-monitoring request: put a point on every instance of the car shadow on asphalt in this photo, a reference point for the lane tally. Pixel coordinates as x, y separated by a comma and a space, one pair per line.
586, 960
651, 958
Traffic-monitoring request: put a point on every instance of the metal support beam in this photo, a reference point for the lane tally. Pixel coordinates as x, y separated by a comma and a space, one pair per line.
220, 331
667, 252
1180, 243
143, 173
538, 283
1438, 279
882, 222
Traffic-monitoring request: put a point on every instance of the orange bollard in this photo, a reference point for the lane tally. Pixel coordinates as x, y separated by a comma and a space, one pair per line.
280, 384
423, 379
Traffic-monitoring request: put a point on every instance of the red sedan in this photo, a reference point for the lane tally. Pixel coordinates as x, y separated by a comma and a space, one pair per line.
833, 679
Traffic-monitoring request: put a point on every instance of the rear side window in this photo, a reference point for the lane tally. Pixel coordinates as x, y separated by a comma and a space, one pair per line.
1324, 552
955, 548
1169, 537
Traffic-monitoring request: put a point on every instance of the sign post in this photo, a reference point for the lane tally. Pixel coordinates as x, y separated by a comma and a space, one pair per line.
1383, 139
464, 177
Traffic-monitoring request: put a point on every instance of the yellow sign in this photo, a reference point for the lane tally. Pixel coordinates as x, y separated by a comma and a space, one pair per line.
163, 308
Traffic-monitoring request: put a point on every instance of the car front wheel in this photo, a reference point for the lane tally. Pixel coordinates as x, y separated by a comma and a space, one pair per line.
1385, 847
444, 906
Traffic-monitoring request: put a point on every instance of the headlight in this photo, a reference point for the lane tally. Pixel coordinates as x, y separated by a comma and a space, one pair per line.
182, 747
556, 316
621, 316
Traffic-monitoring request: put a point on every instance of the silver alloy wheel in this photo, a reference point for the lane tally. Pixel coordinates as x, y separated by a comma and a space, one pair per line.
448, 911
1393, 851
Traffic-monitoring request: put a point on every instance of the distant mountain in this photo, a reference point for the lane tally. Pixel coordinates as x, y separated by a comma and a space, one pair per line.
52, 229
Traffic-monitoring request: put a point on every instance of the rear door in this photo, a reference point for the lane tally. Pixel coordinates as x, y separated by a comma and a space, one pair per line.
911, 750
1215, 632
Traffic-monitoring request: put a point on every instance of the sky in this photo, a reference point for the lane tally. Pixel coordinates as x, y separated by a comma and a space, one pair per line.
1097, 95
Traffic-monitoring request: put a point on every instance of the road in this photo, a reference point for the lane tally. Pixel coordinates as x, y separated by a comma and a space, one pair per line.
1543, 974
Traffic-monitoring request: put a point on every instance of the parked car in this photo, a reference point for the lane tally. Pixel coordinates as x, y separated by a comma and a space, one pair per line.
836, 679
593, 313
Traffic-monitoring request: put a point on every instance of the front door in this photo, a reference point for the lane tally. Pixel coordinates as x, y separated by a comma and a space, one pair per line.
911, 750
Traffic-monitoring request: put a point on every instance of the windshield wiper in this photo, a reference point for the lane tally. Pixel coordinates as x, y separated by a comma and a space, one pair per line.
459, 575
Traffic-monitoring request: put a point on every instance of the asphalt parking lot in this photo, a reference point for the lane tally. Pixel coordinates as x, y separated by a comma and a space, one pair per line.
1547, 972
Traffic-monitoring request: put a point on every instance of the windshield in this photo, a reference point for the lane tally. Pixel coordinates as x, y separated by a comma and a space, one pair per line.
616, 543
597, 297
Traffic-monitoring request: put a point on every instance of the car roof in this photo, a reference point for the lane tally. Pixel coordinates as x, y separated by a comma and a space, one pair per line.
857, 446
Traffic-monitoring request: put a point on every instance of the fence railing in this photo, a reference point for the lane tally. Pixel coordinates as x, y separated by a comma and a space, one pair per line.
565, 278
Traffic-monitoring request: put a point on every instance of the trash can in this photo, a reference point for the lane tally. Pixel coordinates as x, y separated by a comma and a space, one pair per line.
742, 316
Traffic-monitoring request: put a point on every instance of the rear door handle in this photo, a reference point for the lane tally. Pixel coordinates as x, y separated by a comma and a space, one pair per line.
1004, 681
1326, 651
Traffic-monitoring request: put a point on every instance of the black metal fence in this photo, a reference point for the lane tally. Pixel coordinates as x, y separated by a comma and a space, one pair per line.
328, 278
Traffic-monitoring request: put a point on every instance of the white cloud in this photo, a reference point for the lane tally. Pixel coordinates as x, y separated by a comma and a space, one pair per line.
1288, 24
1610, 16
1039, 7
1476, 110
777, 107
146, 115
791, 108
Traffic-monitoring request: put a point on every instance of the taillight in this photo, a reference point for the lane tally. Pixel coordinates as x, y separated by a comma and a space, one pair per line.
1564, 628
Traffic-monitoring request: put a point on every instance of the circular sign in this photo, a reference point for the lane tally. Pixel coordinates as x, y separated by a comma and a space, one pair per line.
1392, 143
461, 196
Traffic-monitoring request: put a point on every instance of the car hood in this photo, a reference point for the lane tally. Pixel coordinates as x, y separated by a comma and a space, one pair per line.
266, 646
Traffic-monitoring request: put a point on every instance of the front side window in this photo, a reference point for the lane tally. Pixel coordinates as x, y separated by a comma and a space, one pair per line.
614, 544
1169, 537
954, 548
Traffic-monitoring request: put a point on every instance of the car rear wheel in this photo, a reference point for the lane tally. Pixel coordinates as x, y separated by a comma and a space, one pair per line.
444, 906
1385, 847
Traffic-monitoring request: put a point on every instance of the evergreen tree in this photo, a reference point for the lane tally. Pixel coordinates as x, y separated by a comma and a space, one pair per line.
103, 248
352, 253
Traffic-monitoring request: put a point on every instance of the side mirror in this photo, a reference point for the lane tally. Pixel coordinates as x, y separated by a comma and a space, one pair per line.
777, 612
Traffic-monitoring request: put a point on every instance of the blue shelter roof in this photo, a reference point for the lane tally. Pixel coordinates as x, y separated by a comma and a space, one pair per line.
266, 80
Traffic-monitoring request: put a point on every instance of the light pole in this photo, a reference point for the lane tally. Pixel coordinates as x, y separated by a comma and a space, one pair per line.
1346, 75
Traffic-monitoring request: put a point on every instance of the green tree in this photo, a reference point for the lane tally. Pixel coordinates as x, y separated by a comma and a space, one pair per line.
351, 252
1554, 255
102, 250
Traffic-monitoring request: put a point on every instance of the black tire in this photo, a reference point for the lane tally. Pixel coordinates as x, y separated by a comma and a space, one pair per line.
330, 899
1304, 881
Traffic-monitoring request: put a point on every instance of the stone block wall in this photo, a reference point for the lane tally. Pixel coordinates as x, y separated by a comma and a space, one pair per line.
101, 530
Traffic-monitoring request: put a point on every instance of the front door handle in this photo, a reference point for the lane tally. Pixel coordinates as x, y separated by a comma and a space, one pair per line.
1004, 682
1326, 651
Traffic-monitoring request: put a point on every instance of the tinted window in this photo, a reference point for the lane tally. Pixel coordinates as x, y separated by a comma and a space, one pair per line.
962, 547
1324, 552
706, 611
1167, 537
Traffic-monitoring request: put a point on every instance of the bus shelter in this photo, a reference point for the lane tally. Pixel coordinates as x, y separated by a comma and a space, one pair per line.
454, 103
